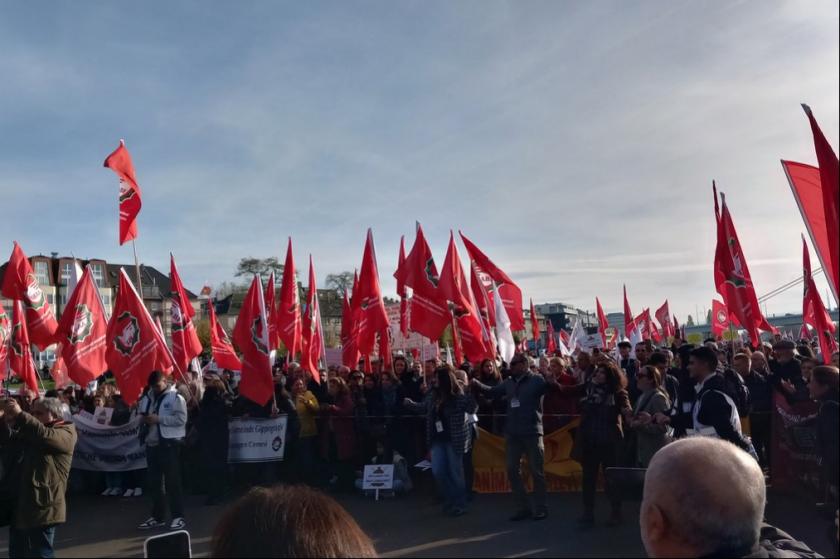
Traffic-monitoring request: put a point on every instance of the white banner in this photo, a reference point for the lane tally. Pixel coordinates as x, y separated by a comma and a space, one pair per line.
107, 448
257, 440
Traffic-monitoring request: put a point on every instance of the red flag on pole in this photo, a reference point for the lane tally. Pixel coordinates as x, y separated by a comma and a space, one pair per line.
428, 311
401, 291
644, 328
313, 341
349, 332
509, 292
813, 310
535, 325
185, 343
486, 310
20, 283
720, 318
655, 335
830, 186
20, 357
677, 327
663, 315
288, 312
602, 322
59, 371
120, 162
551, 348
5, 338
271, 311
223, 353
629, 322
373, 318
251, 335
135, 347
82, 332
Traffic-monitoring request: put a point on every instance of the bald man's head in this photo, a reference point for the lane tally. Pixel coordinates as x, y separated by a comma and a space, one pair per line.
701, 495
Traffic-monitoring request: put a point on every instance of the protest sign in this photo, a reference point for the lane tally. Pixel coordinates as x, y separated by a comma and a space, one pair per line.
257, 440
108, 448
378, 477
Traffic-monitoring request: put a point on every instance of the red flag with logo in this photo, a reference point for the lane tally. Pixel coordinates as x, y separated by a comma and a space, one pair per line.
135, 347
120, 162
20, 283
82, 332
401, 291
20, 356
663, 315
185, 343
486, 310
271, 311
59, 371
288, 311
251, 336
720, 318
629, 322
313, 342
223, 352
428, 311
373, 318
813, 310
5, 338
551, 348
349, 346
509, 292
641, 322
602, 322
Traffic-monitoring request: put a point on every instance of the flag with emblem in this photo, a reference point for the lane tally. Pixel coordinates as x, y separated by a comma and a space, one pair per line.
720, 318
223, 353
373, 318
134, 346
185, 343
663, 315
288, 310
5, 338
349, 330
509, 291
20, 283
551, 346
813, 310
20, 351
120, 162
251, 336
82, 332
313, 339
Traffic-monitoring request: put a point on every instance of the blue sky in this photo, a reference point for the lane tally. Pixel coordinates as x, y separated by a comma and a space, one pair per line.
575, 142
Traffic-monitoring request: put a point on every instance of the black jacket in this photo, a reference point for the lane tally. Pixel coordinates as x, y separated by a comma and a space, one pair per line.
715, 411
772, 543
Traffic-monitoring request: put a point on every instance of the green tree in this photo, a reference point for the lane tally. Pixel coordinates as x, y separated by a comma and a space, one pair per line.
202, 328
341, 283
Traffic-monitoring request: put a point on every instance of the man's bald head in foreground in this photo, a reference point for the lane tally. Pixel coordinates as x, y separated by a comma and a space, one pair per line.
701, 495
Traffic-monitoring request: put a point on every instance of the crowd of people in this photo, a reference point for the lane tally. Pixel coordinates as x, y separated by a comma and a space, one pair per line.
630, 404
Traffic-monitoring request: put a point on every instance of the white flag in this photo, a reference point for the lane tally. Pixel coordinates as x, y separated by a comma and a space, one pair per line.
577, 338
635, 338
504, 337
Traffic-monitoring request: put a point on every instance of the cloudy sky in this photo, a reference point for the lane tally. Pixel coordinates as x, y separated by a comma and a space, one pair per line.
575, 142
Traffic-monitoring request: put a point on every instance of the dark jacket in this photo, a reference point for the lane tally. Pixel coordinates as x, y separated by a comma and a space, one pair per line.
525, 419
715, 411
458, 429
761, 392
828, 438
212, 426
791, 372
772, 542
44, 469
601, 422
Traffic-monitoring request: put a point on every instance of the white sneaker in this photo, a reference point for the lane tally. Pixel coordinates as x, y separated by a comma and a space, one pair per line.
138, 491
116, 492
151, 523
107, 492
128, 493
178, 524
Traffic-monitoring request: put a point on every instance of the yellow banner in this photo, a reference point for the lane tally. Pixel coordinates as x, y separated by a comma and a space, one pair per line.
561, 472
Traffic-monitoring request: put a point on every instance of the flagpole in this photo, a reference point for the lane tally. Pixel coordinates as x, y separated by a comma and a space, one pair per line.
137, 266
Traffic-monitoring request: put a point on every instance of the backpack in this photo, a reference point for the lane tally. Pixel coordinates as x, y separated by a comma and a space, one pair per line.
736, 389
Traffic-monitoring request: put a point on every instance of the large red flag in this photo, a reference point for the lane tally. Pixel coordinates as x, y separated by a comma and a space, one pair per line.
251, 335
509, 292
373, 318
21, 284
401, 291
288, 312
20, 356
428, 313
642, 323
120, 162
453, 286
223, 353
663, 315
135, 347
271, 311
185, 343
551, 347
813, 310
535, 325
732, 276
82, 332
602, 322
313, 341
830, 186
720, 318
349, 331
629, 322
655, 335
486, 310
5, 338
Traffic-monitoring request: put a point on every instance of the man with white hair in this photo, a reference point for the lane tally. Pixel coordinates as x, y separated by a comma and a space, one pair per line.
687, 512
46, 443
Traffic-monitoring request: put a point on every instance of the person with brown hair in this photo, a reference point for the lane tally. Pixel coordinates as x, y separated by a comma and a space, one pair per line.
653, 399
341, 433
288, 521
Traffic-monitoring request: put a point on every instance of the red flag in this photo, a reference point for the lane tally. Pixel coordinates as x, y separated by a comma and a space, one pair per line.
82, 332
655, 335
629, 322
565, 337
676, 327
288, 312
59, 371
804, 332
535, 325
486, 310
830, 186
251, 335
644, 328
349, 346
20, 283
271, 311
385, 349
313, 342
428, 313
20, 356
185, 343
5, 338
373, 318
223, 353
602, 322
552, 344
120, 162
453, 286
732, 276
401, 291
509, 292
813, 310
663, 315
135, 347
720, 318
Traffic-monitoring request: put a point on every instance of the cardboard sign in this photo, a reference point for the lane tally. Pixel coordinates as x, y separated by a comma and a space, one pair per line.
378, 477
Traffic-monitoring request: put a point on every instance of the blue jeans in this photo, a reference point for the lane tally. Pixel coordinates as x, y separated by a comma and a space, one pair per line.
448, 469
32, 542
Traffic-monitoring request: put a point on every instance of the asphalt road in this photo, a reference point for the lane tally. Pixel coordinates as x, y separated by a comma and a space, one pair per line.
411, 527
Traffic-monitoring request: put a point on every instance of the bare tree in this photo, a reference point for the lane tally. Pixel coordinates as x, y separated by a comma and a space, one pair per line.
249, 266
340, 282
